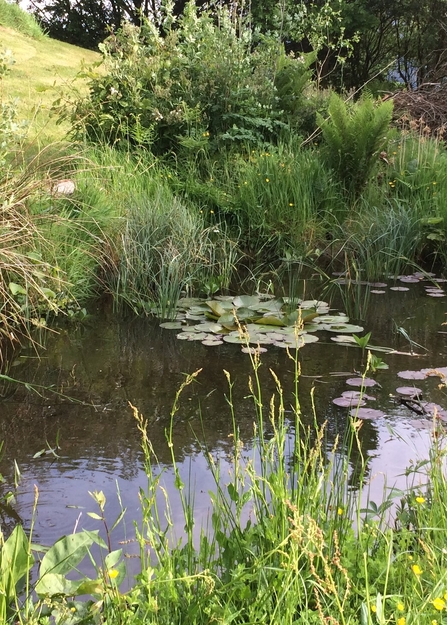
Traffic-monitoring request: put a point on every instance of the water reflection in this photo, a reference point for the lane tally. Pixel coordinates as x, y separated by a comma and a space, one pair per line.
102, 365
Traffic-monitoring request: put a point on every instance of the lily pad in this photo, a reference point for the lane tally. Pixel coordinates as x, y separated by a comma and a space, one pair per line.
253, 350
357, 395
344, 338
212, 342
172, 325
348, 328
235, 338
192, 336
411, 375
348, 402
441, 372
412, 279
399, 288
377, 291
361, 382
331, 319
409, 391
367, 413
436, 294
209, 326
247, 301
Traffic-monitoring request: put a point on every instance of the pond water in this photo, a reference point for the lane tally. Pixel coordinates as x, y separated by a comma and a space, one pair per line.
108, 361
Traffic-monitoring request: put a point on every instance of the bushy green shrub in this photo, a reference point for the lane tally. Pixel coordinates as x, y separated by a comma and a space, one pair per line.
208, 82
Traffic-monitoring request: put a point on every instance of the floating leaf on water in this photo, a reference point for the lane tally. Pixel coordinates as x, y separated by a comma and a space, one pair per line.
357, 395
399, 288
411, 375
247, 301
349, 328
209, 326
435, 371
260, 339
430, 408
192, 336
331, 319
212, 342
270, 321
224, 298
172, 325
409, 391
296, 345
348, 402
412, 279
233, 338
217, 308
313, 303
436, 294
361, 382
377, 291
274, 306
379, 285
344, 338
253, 350
275, 336
367, 413
192, 317
309, 338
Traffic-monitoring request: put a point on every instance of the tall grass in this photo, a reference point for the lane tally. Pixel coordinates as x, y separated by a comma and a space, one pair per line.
13, 16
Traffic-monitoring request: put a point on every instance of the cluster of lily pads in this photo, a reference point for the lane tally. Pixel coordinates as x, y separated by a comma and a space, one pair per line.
432, 289
256, 320
410, 396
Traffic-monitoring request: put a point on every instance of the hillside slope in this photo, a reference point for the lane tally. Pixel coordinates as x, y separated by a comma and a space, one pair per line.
43, 69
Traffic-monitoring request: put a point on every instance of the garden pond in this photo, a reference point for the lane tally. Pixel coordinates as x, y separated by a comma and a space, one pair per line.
70, 429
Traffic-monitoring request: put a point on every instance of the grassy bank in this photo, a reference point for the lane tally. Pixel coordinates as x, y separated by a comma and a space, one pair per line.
287, 539
181, 182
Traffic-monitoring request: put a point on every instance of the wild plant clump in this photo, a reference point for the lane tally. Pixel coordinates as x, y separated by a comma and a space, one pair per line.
209, 81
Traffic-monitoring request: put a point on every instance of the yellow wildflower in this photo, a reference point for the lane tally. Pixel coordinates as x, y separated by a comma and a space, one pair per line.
400, 606
420, 499
113, 573
340, 511
373, 608
416, 569
290, 203
267, 180
438, 604
401, 621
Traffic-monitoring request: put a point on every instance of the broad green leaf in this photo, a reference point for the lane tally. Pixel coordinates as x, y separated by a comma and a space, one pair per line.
112, 558
216, 307
16, 289
56, 584
270, 321
15, 562
65, 554
246, 301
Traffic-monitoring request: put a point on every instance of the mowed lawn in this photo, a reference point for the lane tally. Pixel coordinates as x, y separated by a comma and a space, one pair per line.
43, 72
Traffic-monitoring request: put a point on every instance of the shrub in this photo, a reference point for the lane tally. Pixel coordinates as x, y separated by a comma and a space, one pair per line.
208, 82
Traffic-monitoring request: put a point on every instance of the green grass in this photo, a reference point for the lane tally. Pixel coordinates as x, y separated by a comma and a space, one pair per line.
12, 16
43, 69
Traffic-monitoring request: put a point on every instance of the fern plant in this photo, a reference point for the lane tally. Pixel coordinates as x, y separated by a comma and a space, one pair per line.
353, 138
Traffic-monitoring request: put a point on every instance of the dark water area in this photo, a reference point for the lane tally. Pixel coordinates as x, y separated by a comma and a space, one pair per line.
102, 364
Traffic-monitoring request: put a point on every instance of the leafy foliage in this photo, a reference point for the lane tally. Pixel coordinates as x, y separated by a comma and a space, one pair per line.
205, 84
353, 137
